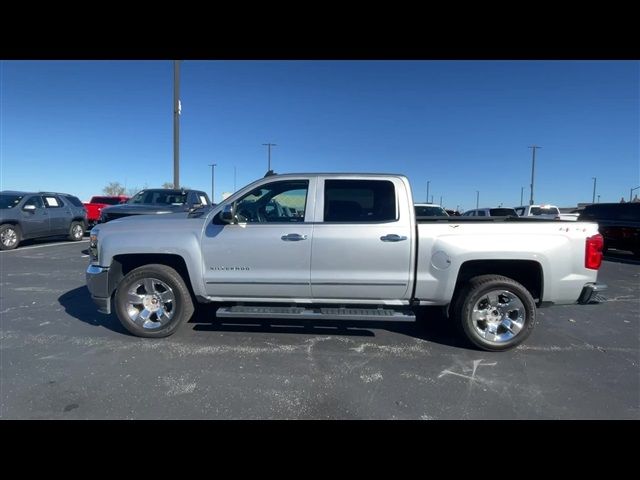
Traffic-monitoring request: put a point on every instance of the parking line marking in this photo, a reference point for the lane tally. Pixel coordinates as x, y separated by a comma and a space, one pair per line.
47, 245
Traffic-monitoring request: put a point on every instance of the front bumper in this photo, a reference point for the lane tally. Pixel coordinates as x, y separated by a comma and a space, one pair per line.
98, 285
590, 293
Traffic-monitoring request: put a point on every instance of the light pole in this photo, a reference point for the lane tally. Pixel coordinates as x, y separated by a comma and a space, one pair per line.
631, 193
593, 200
176, 124
440, 200
533, 169
598, 198
521, 195
213, 167
428, 182
431, 198
477, 199
269, 145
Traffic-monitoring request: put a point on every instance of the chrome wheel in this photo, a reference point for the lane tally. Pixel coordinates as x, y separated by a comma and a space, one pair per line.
498, 316
77, 231
151, 303
9, 238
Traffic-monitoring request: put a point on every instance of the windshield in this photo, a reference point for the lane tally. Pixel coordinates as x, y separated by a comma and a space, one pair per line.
160, 197
430, 211
9, 201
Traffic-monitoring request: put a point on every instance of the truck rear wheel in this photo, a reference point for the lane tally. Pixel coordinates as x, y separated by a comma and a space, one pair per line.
152, 301
494, 313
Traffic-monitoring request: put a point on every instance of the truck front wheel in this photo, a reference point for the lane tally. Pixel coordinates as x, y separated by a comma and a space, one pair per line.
495, 313
152, 301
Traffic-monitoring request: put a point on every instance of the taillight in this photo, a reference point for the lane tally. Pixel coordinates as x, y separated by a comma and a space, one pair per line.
593, 252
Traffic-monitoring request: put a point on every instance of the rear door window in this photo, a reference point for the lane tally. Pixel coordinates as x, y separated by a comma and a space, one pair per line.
52, 202
359, 201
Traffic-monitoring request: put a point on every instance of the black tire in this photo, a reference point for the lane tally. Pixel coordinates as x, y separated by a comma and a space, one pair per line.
6, 233
473, 292
76, 231
182, 307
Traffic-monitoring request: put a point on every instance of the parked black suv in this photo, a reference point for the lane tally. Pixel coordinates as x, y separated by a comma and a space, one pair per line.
619, 224
157, 200
25, 215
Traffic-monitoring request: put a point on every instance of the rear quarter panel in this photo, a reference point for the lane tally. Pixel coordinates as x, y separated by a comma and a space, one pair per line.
558, 247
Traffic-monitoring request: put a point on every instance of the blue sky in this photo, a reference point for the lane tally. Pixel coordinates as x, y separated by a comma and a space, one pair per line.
75, 126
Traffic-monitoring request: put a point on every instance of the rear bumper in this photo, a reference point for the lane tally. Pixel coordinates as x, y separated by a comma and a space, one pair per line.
590, 291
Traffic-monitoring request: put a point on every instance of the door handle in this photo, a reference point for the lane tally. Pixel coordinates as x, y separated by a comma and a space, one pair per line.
392, 237
293, 237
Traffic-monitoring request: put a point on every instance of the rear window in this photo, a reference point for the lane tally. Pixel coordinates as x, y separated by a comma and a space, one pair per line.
106, 200
544, 211
74, 200
502, 212
359, 201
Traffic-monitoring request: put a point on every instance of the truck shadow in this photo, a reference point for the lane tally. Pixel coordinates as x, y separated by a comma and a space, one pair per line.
431, 325
78, 304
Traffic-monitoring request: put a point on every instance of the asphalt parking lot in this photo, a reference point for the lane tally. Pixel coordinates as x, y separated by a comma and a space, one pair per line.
61, 359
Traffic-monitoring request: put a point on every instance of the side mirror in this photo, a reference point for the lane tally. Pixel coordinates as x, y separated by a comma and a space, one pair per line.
195, 207
228, 214
29, 208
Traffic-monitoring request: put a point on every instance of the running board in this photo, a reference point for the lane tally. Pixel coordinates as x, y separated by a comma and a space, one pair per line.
319, 313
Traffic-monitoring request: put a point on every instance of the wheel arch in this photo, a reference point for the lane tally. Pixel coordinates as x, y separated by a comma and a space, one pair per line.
527, 272
123, 264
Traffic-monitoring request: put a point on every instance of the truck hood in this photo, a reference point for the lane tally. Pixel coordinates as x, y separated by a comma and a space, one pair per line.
153, 223
144, 209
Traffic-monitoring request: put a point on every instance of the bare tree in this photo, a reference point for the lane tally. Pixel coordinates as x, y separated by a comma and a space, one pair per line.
114, 188
170, 185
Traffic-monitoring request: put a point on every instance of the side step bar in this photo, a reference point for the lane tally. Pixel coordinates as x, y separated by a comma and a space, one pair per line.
318, 313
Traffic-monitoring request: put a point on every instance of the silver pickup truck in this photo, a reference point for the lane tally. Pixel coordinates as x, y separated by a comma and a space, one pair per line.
340, 246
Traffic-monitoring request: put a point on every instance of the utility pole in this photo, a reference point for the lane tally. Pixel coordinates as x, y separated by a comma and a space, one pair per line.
593, 200
213, 196
176, 123
521, 195
533, 169
598, 198
477, 199
428, 182
269, 145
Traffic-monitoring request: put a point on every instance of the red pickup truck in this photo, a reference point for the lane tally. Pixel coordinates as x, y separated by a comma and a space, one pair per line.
97, 203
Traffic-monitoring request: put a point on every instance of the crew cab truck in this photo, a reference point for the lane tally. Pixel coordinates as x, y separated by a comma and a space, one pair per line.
352, 250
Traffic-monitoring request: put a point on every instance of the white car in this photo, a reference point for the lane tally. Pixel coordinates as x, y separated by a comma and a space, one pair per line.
540, 211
